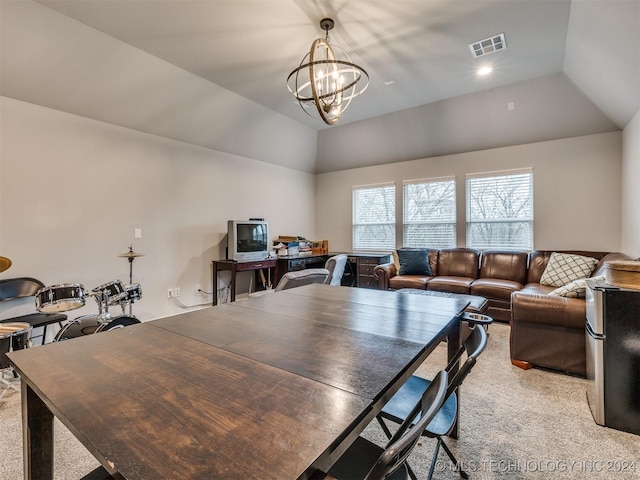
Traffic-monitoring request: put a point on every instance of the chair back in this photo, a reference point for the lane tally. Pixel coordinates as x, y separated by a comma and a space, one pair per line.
406, 437
302, 277
474, 345
336, 266
11, 288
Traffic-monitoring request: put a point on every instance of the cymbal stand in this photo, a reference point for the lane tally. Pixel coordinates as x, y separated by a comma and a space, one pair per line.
130, 255
103, 308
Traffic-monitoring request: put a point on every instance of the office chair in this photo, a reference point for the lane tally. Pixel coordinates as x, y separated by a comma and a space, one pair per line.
398, 409
368, 461
336, 265
297, 279
302, 277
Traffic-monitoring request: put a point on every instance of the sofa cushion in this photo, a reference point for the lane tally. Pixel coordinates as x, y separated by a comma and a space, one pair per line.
414, 261
564, 268
445, 283
458, 262
495, 288
408, 281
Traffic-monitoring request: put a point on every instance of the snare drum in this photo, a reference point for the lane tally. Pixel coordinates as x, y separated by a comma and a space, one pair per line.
60, 298
83, 325
13, 336
134, 293
113, 293
117, 322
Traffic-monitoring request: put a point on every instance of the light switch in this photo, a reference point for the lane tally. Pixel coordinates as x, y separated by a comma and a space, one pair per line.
137, 233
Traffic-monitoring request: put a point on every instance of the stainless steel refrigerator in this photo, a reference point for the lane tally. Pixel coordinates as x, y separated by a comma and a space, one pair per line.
613, 355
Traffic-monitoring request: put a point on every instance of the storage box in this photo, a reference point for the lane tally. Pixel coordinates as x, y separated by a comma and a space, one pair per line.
320, 247
623, 273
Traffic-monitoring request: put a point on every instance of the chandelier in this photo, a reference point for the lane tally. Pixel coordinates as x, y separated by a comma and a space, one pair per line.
327, 80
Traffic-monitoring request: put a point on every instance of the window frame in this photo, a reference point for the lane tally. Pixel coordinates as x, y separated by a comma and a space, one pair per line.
452, 221
527, 218
357, 225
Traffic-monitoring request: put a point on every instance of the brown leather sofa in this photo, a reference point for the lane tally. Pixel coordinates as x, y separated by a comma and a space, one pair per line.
492, 274
546, 331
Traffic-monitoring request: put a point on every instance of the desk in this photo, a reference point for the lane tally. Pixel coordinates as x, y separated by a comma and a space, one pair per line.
358, 271
235, 267
273, 387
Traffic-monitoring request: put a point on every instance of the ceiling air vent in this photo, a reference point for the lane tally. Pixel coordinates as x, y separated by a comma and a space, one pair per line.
488, 45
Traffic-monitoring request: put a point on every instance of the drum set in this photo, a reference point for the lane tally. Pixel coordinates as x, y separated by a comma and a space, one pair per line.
13, 336
69, 296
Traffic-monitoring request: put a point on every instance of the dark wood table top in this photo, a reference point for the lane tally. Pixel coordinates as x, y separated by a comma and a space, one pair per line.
270, 387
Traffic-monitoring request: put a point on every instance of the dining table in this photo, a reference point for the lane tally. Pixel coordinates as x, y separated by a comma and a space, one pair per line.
276, 386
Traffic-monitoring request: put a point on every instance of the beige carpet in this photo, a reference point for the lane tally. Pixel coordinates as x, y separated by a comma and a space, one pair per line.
515, 424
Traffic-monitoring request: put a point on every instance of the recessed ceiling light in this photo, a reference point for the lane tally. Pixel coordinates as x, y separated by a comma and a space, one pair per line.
486, 70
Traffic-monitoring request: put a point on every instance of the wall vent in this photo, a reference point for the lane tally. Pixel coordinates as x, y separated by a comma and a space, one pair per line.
488, 45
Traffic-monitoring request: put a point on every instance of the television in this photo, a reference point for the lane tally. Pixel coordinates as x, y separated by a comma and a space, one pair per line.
247, 240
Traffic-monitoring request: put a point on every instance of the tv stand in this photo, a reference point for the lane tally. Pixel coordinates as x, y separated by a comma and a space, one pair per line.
235, 267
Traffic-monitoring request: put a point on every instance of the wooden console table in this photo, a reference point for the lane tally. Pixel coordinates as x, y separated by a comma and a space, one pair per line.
235, 267
358, 272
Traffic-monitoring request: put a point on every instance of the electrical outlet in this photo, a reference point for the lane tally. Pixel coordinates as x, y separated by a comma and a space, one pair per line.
170, 293
176, 291
198, 288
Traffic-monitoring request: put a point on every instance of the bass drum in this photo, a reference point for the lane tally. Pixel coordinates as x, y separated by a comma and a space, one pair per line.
117, 322
79, 327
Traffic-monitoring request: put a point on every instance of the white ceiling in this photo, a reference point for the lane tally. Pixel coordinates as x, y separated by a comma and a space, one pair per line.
250, 46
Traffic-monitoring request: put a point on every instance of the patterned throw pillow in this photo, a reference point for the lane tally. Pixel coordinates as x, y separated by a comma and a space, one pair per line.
575, 289
564, 268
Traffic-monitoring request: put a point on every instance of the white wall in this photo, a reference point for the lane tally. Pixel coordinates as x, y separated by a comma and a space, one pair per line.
631, 187
72, 191
49, 59
576, 190
546, 108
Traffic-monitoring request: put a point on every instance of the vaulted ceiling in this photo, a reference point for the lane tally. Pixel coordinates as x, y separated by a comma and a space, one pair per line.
415, 51
250, 46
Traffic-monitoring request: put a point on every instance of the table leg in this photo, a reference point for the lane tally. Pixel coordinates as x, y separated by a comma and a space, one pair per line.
37, 433
453, 345
233, 284
215, 284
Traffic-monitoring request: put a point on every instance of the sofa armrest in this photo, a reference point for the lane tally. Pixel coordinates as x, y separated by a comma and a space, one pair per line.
545, 309
383, 273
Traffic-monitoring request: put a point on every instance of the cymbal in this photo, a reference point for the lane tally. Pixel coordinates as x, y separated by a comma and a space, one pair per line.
131, 255
4, 263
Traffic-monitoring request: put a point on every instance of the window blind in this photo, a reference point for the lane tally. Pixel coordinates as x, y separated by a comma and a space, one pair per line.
500, 210
374, 217
429, 213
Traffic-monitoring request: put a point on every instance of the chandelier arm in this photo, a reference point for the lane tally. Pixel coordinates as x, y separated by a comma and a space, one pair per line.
326, 90
359, 71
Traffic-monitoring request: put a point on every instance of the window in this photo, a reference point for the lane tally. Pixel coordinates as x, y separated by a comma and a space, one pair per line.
500, 210
374, 217
430, 213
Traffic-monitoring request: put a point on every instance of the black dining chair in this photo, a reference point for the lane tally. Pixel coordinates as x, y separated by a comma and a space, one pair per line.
398, 409
364, 460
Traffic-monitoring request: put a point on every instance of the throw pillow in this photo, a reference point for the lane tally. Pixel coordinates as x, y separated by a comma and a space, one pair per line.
564, 268
575, 289
414, 261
